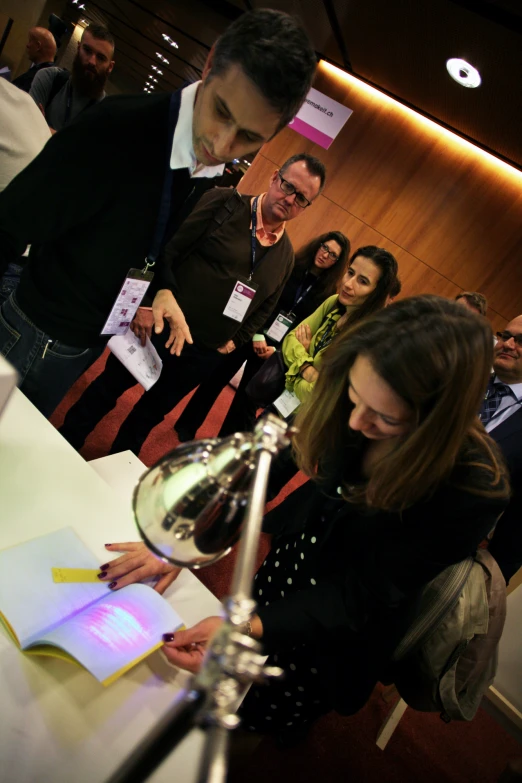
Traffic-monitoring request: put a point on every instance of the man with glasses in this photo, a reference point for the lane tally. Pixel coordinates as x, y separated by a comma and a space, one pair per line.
501, 414
226, 267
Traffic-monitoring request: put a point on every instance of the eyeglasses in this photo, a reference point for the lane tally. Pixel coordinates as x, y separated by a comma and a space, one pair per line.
289, 190
506, 336
331, 255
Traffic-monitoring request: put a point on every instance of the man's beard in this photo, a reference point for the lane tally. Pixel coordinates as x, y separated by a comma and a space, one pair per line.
90, 84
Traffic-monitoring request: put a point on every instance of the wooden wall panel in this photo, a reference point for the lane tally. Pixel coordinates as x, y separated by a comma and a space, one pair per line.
450, 213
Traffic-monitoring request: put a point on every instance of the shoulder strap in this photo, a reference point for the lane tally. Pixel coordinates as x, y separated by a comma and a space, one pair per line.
59, 80
221, 215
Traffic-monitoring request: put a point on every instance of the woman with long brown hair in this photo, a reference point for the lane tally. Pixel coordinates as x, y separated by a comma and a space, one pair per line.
404, 482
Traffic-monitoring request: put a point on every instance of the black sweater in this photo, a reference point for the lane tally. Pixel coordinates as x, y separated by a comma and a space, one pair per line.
88, 205
203, 279
371, 568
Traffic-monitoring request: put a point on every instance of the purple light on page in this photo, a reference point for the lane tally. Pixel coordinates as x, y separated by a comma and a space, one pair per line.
116, 627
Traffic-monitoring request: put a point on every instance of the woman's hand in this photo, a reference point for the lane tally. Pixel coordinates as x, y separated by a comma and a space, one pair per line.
310, 374
137, 564
304, 334
165, 307
187, 648
143, 323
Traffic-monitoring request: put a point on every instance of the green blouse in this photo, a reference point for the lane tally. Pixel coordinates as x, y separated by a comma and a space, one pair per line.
321, 323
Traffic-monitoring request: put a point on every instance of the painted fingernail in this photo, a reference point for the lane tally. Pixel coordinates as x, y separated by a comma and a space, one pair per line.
107, 545
102, 575
168, 637
113, 585
104, 567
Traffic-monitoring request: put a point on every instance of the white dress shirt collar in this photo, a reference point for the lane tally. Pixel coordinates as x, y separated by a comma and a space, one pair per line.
182, 155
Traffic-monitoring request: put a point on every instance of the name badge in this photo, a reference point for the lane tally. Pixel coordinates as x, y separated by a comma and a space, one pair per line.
286, 403
280, 327
240, 300
127, 302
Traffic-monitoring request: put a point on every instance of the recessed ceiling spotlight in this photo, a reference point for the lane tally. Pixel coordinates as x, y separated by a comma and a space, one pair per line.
463, 73
169, 41
155, 68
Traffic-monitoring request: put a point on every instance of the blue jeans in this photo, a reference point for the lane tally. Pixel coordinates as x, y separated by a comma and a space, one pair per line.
9, 281
47, 368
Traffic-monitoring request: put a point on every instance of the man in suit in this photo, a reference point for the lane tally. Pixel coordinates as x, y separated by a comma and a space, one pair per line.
41, 50
501, 415
117, 182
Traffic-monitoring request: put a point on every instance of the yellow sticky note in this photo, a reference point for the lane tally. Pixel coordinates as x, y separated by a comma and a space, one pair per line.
75, 574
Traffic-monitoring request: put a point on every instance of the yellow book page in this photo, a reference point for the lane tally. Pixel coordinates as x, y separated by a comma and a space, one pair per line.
9, 628
51, 651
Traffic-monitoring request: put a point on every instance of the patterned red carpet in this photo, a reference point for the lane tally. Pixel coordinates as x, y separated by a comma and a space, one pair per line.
423, 749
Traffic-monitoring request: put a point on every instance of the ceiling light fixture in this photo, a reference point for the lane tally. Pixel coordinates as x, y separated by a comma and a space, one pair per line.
163, 59
155, 68
169, 41
463, 73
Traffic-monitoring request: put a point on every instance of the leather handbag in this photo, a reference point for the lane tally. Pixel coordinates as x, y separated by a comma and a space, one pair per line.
269, 382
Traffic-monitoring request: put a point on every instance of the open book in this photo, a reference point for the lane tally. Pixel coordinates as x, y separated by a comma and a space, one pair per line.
142, 361
106, 632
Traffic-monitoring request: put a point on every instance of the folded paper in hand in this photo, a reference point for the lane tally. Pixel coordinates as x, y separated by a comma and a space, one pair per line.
142, 361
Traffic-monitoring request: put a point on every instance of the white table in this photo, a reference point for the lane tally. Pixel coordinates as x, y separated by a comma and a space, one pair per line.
57, 723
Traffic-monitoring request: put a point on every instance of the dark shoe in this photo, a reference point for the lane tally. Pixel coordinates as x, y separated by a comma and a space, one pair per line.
184, 435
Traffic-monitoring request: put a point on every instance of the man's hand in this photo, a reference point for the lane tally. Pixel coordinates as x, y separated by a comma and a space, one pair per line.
303, 333
261, 349
143, 323
137, 564
259, 346
228, 347
165, 307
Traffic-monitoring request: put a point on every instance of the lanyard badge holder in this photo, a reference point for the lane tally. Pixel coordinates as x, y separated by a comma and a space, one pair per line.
129, 299
284, 321
244, 291
137, 281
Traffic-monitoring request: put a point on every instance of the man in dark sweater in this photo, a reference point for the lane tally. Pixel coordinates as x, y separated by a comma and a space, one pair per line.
211, 257
118, 180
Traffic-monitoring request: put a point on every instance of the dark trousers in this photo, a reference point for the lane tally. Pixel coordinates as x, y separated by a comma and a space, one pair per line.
178, 377
47, 368
242, 412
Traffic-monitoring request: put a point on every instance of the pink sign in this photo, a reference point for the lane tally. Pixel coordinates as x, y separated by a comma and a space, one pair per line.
320, 118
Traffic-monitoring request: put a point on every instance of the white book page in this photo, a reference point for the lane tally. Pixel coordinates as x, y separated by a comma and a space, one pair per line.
29, 598
116, 631
142, 361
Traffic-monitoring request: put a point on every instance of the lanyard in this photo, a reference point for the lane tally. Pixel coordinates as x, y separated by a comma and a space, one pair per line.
300, 294
326, 337
166, 194
253, 240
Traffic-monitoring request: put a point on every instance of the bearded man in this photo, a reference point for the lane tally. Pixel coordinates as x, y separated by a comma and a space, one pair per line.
62, 95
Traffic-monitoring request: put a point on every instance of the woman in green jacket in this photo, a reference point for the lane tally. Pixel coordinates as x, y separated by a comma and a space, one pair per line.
370, 279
